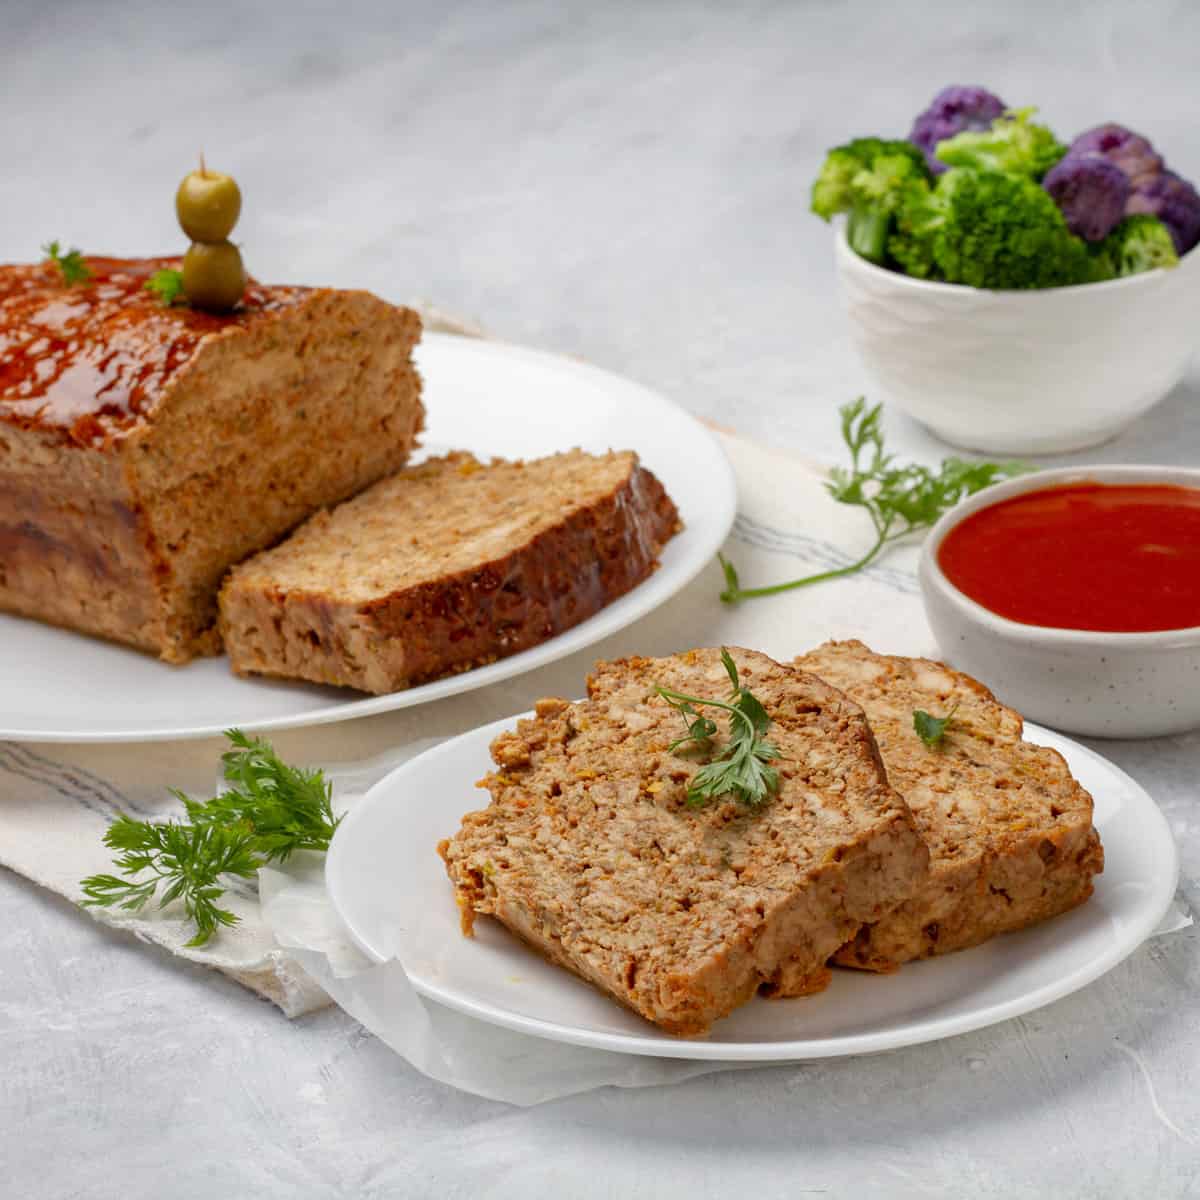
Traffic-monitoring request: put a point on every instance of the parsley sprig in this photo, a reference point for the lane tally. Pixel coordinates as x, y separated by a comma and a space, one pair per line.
70, 262
167, 285
900, 500
930, 729
270, 810
742, 767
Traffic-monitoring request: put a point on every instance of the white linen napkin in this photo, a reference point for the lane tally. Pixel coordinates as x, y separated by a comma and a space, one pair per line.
56, 801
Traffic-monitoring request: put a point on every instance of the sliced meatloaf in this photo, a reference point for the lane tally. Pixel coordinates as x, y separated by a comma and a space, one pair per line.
145, 448
590, 852
1009, 829
446, 566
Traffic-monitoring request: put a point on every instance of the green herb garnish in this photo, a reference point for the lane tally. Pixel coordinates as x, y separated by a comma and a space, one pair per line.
69, 262
270, 811
742, 768
189, 859
167, 285
900, 500
930, 729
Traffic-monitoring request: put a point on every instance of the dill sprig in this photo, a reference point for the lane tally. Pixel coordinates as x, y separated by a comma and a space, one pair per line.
69, 262
742, 767
286, 808
270, 810
188, 859
900, 500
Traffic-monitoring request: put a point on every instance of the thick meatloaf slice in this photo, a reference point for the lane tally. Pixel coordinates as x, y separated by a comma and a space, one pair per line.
590, 852
144, 448
446, 566
1009, 829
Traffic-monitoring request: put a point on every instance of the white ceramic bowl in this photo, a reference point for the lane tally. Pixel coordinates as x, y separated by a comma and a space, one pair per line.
1119, 685
1034, 372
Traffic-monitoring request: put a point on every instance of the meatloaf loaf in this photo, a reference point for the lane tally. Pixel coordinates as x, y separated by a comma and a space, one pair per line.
590, 852
145, 448
1009, 829
446, 566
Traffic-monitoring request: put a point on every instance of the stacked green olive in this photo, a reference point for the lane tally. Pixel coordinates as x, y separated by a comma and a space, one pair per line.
208, 205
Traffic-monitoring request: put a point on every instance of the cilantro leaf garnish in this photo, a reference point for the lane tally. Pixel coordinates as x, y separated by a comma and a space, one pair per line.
167, 285
69, 262
900, 500
930, 729
742, 767
271, 810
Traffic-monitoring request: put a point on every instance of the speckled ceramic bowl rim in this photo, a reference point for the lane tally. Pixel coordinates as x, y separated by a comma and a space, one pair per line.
1045, 635
933, 286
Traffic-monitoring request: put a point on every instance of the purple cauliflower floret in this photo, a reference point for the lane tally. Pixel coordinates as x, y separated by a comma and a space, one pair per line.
952, 110
1155, 189
1122, 147
1174, 202
1091, 193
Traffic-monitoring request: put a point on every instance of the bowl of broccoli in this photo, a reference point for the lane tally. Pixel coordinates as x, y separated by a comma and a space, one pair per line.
1015, 294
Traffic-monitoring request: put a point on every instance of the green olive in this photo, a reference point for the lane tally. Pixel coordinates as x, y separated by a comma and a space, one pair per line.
213, 276
208, 205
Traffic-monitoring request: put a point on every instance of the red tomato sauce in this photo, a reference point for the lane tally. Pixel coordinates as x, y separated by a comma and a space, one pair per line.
1117, 558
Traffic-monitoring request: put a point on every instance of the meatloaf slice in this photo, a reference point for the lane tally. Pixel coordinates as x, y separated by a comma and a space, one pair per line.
446, 566
146, 448
1009, 829
590, 853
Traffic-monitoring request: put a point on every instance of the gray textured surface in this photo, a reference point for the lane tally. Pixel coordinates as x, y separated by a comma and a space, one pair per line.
625, 182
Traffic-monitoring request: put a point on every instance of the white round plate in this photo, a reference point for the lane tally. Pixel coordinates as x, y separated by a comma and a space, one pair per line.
389, 887
487, 397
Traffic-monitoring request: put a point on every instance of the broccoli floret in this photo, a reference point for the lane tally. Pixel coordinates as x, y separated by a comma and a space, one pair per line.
1091, 193
988, 230
913, 245
882, 184
1139, 243
876, 195
831, 188
1100, 266
1014, 144
868, 178
952, 110
831, 192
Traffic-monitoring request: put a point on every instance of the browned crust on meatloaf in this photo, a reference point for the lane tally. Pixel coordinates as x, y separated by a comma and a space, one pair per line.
447, 566
91, 362
1008, 828
590, 853
145, 449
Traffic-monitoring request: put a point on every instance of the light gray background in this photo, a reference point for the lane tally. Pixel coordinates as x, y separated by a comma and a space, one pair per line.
626, 182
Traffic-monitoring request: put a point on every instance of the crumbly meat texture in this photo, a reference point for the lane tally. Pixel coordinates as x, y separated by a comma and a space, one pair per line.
590, 853
144, 449
447, 566
1009, 829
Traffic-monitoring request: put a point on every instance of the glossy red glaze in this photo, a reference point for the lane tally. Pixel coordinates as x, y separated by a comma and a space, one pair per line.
1108, 557
89, 360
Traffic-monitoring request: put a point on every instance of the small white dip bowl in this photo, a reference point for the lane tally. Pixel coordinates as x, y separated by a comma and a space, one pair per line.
1115, 685
1029, 372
